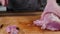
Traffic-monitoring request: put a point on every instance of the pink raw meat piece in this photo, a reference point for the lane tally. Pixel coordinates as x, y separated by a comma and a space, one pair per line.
50, 17
12, 30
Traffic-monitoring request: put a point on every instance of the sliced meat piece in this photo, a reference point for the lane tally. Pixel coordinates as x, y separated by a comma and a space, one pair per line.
50, 17
12, 30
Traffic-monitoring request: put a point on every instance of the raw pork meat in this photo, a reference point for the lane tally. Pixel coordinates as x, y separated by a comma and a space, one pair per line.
12, 30
50, 17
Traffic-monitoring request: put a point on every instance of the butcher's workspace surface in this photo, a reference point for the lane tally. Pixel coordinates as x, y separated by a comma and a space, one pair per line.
24, 23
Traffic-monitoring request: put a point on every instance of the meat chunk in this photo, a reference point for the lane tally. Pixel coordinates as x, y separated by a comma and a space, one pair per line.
51, 22
50, 17
12, 30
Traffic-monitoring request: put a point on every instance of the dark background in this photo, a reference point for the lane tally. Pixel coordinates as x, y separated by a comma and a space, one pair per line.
27, 5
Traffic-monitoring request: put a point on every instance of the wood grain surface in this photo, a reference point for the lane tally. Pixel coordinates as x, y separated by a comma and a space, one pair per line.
25, 25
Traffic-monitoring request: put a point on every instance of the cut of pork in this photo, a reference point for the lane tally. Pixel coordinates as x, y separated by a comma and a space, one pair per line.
50, 17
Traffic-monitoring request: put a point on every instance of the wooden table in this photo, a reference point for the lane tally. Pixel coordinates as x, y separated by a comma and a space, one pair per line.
25, 25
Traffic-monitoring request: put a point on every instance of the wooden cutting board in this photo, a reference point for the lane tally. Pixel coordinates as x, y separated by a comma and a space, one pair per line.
25, 25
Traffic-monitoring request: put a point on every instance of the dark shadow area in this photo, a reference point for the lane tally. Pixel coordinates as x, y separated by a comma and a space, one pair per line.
26, 5
58, 2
